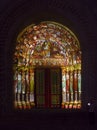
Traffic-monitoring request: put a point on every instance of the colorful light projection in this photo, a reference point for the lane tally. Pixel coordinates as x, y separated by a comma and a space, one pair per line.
47, 44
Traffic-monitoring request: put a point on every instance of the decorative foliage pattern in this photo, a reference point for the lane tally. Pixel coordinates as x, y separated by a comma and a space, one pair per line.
53, 45
47, 44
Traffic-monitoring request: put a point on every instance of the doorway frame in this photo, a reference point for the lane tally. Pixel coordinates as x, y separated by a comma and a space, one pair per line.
48, 106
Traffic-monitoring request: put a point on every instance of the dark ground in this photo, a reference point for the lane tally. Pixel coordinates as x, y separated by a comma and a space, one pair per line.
49, 120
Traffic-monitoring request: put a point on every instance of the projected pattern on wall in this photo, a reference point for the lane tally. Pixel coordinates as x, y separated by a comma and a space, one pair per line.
47, 44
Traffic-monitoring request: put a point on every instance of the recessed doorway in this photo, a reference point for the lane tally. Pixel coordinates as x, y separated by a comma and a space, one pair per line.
47, 67
48, 87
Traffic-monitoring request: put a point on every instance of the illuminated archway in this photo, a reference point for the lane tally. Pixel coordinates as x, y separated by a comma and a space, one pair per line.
47, 45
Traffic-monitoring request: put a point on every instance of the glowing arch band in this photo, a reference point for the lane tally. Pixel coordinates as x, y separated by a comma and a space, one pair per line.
47, 44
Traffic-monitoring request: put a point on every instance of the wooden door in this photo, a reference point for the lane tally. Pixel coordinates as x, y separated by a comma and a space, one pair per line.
48, 87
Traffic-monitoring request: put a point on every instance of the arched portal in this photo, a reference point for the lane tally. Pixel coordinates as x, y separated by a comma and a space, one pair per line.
47, 67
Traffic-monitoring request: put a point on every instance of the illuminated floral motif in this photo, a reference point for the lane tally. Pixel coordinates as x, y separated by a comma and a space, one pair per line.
47, 44
50, 43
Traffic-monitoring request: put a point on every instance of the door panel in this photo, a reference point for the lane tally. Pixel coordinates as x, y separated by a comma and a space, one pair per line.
40, 87
55, 87
48, 87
